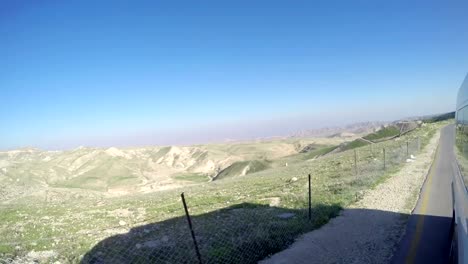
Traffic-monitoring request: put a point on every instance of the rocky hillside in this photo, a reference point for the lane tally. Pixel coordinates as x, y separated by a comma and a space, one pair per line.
122, 171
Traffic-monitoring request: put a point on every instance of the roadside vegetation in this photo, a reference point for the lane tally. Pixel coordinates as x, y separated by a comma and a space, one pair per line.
354, 144
384, 133
236, 219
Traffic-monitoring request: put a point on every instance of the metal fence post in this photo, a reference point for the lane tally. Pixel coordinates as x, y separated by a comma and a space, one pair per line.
191, 228
384, 158
310, 200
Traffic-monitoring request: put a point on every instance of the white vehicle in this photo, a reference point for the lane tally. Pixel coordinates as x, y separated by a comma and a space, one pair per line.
459, 249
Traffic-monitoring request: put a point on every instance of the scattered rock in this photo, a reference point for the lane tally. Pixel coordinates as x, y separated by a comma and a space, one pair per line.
41, 255
275, 201
293, 179
122, 223
360, 195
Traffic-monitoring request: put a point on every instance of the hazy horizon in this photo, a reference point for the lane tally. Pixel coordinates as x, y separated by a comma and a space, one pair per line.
148, 73
232, 133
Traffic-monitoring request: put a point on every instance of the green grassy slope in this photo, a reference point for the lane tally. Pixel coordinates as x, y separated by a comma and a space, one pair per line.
109, 174
241, 168
383, 133
354, 144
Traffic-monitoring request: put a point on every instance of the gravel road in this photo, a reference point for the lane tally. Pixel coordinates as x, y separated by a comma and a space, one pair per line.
370, 230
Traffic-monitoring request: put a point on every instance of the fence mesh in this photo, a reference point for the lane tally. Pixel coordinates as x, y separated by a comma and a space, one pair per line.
240, 221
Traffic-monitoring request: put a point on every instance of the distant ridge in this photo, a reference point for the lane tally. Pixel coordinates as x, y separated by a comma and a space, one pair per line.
434, 118
350, 130
363, 128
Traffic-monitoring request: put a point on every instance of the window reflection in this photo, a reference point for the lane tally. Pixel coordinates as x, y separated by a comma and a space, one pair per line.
462, 132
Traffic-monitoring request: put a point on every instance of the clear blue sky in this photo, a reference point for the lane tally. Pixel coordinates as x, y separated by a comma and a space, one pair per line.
178, 72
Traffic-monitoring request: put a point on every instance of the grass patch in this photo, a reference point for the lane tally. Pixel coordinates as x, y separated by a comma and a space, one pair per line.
319, 152
242, 168
384, 133
354, 144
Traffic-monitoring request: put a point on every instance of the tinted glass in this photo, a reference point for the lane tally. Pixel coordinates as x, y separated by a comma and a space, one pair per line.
462, 129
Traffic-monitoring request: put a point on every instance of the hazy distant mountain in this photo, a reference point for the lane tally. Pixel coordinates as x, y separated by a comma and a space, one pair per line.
363, 128
356, 129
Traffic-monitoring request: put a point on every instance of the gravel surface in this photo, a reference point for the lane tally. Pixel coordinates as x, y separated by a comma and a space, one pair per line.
368, 231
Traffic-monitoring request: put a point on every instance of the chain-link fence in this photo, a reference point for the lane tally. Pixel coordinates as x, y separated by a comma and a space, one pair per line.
243, 220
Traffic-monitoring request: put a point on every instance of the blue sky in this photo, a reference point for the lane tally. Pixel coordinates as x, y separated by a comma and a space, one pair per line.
180, 72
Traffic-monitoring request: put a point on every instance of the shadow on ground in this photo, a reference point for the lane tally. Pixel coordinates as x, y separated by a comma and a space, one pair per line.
243, 233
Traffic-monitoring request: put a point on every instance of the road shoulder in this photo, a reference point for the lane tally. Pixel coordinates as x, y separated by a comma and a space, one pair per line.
370, 230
